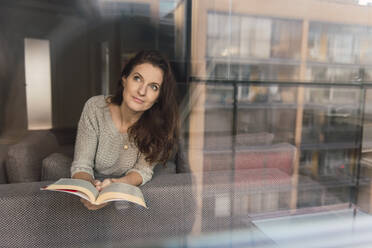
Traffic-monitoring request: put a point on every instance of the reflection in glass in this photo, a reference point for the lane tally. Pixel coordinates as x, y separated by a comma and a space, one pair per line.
260, 148
250, 48
260, 133
286, 39
334, 74
333, 42
38, 83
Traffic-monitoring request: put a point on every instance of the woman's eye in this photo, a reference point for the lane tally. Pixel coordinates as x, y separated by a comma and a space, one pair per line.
137, 78
154, 87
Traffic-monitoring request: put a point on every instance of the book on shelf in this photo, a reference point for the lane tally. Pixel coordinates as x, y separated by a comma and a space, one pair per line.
87, 191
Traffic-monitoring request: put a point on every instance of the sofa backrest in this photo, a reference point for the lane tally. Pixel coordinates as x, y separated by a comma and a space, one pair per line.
3, 155
45, 155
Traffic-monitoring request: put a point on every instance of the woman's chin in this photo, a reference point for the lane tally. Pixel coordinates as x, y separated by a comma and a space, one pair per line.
137, 109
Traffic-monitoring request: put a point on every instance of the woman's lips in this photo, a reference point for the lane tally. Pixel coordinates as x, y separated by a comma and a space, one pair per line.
137, 100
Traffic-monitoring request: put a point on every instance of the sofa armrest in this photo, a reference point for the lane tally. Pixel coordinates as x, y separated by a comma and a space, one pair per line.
24, 159
55, 166
3, 156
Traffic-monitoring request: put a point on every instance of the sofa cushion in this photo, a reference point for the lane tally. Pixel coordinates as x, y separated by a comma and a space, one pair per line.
56, 166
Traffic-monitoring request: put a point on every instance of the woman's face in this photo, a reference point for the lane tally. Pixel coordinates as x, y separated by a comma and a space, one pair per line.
142, 87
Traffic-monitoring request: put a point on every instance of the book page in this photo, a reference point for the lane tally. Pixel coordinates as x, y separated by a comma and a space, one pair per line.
75, 184
121, 191
73, 192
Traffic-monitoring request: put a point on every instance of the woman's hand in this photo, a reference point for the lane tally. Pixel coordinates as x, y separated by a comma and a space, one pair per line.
99, 186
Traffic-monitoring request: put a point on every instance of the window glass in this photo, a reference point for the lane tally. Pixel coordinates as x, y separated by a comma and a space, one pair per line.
275, 122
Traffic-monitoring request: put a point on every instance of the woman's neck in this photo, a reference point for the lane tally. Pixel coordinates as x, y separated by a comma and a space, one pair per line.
128, 117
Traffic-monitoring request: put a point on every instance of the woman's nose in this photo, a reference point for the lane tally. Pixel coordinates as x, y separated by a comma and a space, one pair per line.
142, 90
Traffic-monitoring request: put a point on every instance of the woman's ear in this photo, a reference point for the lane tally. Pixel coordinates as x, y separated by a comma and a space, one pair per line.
123, 81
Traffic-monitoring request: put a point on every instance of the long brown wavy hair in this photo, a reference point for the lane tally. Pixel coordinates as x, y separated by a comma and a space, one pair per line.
156, 132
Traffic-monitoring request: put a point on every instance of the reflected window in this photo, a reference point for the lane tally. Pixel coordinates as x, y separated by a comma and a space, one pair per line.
364, 2
259, 72
333, 74
253, 48
38, 83
112, 8
166, 7
255, 37
286, 39
339, 43
223, 36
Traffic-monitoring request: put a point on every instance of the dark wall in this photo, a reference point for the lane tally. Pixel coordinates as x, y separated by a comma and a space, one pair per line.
76, 30
13, 115
74, 48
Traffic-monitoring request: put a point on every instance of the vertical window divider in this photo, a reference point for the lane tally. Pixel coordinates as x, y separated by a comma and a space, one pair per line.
356, 171
233, 146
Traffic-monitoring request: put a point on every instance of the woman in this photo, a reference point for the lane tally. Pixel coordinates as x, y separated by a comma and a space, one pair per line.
122, 137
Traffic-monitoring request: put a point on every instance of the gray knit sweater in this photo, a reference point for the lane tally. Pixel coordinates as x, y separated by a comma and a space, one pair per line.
99, 148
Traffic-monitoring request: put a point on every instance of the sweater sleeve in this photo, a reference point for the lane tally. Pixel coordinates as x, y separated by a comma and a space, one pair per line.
86, 140
144, 168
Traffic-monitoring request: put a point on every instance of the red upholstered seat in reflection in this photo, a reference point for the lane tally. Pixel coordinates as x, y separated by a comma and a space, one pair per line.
280, 156
262, 178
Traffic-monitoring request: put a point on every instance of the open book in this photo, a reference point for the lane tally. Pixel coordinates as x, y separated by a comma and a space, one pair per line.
113, 192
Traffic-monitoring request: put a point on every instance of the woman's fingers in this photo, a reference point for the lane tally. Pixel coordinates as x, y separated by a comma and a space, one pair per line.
98, 185
106, 182
103, 184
